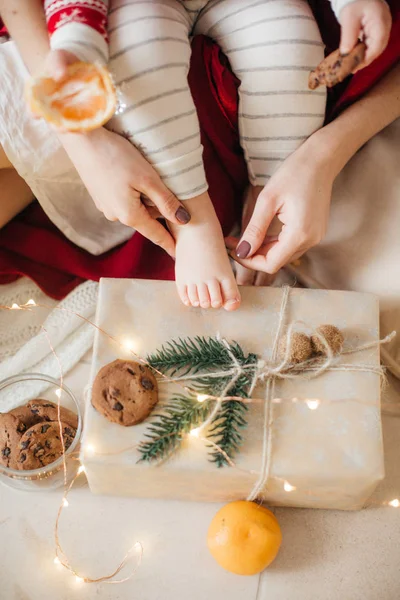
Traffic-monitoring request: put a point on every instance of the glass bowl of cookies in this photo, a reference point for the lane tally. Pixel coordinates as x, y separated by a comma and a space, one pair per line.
40, 432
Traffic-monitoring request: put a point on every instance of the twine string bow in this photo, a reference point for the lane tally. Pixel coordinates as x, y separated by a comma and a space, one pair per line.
274, 370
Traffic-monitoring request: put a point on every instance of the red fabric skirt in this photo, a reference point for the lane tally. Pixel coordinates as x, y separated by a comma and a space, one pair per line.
31, 245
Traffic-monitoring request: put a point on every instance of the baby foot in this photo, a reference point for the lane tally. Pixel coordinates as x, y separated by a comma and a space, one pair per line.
204, 276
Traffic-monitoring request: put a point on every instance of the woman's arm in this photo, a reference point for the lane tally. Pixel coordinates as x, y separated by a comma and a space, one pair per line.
299, 193
113, 171
26, 23
341, 139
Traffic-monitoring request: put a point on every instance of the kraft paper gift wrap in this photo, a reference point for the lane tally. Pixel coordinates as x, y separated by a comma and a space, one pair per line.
332, 456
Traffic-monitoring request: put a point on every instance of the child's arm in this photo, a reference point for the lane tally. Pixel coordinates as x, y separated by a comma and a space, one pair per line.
79, 27
75, 30
369, 20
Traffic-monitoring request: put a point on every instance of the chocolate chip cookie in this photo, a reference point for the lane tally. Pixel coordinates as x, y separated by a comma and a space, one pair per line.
42, 445
26, 417
44, 410
336, 67
125, 392
11, 429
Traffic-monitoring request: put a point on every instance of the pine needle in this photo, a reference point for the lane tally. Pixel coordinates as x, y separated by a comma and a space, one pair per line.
196, 356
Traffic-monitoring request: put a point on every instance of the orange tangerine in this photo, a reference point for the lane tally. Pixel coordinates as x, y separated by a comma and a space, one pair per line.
83, 100
244, 538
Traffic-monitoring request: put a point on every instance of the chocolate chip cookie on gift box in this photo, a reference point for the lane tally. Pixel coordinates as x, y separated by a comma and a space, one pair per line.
30, 434
125, 392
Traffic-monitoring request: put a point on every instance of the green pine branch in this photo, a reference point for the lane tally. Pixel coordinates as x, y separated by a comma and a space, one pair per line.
165, 434
184, 356
227, 427
194, 356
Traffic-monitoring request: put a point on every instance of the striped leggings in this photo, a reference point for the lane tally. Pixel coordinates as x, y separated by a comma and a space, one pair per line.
271, 46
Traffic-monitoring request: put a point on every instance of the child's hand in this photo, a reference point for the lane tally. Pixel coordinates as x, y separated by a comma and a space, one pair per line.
369, 20
57, 62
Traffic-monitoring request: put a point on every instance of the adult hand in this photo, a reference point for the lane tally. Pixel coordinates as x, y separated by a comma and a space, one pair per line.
298, 195
369, 20
116, 176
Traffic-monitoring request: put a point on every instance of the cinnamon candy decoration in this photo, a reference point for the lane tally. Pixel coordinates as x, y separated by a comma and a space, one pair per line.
336, 67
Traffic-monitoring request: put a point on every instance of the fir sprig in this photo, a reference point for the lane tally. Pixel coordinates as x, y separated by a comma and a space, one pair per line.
194, 356
231, 419
184, 356
166, 433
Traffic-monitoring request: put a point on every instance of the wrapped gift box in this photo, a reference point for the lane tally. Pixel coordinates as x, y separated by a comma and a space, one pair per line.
331, 457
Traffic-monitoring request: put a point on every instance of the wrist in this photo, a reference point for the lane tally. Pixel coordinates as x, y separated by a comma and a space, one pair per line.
329, 150
86, 139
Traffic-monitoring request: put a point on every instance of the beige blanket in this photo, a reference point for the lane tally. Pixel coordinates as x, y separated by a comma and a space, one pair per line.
361, 251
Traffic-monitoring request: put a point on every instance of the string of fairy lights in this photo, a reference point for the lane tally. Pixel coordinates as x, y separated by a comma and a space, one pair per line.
60, 559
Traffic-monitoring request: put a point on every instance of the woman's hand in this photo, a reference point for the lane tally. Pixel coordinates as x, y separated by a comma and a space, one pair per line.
116, 176
298, 195
369, 20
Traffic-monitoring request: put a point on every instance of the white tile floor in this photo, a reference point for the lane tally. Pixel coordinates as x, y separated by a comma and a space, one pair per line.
325, 555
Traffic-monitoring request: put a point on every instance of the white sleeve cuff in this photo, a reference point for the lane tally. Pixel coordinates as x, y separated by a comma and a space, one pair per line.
338, 5
85, 42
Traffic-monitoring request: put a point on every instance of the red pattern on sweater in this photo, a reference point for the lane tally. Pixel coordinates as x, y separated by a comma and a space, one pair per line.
31, 245
88, 12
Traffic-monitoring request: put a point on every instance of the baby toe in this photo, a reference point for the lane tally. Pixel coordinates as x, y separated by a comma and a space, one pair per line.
204, 296
230, 293
214, 289
183, 294
193, 294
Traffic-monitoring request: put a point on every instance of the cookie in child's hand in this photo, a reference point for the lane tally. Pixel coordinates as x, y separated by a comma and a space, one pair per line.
125, 392
336, 67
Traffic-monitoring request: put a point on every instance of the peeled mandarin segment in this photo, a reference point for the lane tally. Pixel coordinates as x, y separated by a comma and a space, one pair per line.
244, 538
83, 100
76, 111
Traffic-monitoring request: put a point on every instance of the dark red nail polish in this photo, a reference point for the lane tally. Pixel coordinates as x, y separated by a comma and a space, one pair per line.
182, 215
242, 251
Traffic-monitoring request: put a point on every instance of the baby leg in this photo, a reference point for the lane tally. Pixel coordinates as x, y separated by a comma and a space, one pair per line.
149, 58
272, 45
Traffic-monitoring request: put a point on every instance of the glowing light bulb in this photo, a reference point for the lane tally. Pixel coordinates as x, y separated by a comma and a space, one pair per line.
395, 503
65, 502
195, 432
202, 397
57, 561
59, 392
313, 404
129, 345
79, 579
288, 487
31, 302
89, 449
81, 469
